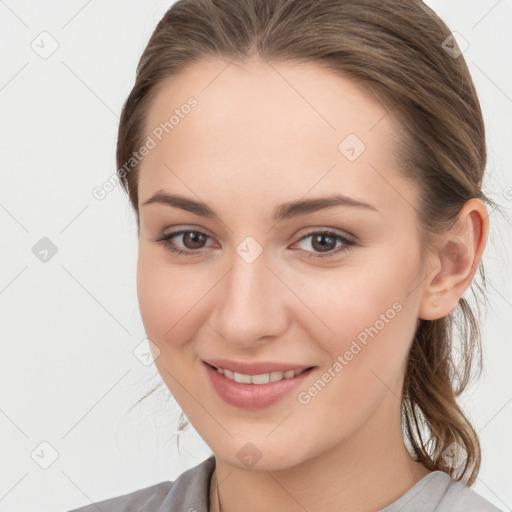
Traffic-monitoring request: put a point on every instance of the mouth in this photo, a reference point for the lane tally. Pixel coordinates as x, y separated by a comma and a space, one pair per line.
260, 378
255, 389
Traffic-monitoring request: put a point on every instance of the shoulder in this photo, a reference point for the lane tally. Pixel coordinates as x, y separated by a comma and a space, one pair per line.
461, 498
141, 499
189, 491
438, 492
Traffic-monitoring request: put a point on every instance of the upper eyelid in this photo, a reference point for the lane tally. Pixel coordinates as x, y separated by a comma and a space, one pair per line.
314, 231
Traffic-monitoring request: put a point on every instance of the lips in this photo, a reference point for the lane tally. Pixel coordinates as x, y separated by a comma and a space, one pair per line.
261, 393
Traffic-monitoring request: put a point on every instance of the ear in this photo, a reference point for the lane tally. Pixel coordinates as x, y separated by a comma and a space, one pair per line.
455, 261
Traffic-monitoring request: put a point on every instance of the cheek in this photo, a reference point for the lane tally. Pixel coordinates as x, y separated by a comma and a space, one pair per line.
171, 299
366, 309
373, 322
168, 296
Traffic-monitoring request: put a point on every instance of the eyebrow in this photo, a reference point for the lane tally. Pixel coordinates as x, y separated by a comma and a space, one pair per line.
285, 211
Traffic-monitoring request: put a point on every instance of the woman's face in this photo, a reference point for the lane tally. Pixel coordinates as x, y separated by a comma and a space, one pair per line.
263, 282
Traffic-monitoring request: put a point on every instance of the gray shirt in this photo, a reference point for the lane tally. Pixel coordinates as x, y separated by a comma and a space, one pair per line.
436, 492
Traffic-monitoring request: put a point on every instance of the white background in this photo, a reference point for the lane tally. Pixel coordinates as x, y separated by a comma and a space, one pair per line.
69, 326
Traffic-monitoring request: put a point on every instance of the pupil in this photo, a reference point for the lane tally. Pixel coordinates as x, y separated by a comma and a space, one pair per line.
322, 247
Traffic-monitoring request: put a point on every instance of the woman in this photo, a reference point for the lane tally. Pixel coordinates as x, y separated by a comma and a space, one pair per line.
306, 178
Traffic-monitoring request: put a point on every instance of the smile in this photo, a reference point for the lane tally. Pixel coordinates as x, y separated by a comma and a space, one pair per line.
255, 390
263, 378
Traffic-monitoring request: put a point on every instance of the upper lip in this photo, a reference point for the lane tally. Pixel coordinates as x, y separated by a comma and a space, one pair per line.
257, 368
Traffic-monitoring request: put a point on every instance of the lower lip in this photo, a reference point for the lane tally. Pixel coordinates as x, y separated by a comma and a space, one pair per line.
253, 396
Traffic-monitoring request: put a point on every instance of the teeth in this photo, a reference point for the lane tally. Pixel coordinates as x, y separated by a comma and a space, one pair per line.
263, 378
275, 376
243, 379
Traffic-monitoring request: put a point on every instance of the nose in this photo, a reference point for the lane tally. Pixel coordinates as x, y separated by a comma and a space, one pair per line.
251, 304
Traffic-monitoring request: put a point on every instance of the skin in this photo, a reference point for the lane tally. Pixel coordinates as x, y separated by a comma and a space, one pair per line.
262, 135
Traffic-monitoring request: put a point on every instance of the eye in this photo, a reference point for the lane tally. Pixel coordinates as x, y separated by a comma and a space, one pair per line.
325, 242
192, 240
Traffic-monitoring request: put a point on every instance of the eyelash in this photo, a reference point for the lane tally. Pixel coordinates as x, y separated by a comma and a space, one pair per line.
348, 244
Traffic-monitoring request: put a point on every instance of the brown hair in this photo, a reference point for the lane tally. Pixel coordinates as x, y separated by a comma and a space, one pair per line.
393, 49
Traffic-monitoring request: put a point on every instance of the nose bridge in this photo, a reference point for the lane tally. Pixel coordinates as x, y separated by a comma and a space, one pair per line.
250, 303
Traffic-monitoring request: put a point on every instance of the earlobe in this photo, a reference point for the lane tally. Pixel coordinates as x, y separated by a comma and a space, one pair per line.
456, 260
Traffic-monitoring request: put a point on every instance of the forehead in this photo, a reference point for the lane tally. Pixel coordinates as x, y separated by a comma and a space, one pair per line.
262, 127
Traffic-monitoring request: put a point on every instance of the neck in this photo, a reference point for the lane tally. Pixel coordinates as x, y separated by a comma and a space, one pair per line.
363, 473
